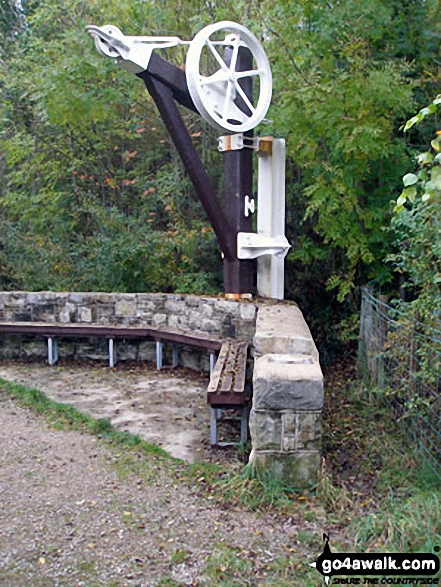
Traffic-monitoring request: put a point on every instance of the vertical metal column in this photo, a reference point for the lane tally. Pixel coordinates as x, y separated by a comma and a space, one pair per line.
52, 350
159, 355
271, 218
111, 353
239, 274
212, 362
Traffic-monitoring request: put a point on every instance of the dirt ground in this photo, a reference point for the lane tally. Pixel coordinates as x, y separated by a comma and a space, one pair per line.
75, 512
168, 407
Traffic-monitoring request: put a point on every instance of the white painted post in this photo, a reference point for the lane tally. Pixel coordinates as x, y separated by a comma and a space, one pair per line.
213, 426
111, 353
159, 355
271, 218
212, 362
52, 350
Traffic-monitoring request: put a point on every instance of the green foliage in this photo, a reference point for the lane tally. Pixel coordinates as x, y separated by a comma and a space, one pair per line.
398, 526
93, 195
416, 229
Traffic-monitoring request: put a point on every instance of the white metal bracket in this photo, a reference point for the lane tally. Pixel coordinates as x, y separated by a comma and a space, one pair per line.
251, 245
250, 206
131, 53
237, 142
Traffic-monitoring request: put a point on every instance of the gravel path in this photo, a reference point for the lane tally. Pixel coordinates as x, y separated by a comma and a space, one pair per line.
76, 512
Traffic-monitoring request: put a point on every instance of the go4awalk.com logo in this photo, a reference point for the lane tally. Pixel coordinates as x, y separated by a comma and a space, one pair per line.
377, 569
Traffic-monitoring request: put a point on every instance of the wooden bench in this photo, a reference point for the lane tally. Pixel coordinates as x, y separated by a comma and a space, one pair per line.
228, 386
53, 331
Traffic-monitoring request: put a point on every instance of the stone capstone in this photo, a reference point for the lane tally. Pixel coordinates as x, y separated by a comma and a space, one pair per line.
287, 384
282, 329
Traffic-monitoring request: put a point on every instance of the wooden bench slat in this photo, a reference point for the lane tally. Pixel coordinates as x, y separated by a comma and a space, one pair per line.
198, 340
241, 367
227, 374
215, 376
227, 383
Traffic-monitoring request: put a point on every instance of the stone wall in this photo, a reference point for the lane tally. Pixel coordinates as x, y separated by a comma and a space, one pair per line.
285, 420
187, 312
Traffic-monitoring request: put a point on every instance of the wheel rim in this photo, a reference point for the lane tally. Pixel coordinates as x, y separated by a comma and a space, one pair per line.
219, 90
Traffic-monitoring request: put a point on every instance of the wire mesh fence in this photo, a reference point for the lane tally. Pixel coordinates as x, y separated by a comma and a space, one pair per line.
400, 359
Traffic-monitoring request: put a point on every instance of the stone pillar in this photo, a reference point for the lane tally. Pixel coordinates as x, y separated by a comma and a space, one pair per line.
285, 420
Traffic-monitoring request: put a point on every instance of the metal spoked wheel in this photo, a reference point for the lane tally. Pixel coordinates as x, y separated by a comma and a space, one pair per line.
219, 86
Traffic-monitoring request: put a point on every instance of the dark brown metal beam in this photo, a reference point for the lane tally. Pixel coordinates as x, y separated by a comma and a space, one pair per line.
239, 274
173, 77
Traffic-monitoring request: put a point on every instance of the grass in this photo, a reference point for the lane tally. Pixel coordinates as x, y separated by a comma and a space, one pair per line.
66, 417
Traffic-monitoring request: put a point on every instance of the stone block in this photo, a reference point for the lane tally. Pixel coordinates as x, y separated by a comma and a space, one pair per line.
23, 316
35, 348
228, 328
76, 298
175, 305
159, 319
247, 312
282, 329
179, 322
144, 317
246, 330
210, 326
302, 431
227, 307
127, 351
298, 470
125, 307
191, 359
84, 314
287, 382
266, 429
67, 313
192, 301
145, 304
32, 297
147, 351
104, 313
104, 298
207, 309
195, 320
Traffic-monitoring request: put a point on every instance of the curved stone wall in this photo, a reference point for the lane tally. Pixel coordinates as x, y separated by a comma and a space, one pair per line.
207, 315
285, 420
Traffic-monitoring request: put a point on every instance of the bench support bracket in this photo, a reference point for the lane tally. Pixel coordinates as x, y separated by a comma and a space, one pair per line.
215, 414
52, 350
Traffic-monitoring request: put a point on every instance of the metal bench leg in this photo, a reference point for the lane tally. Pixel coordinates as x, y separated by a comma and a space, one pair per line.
175, 362
212, 362
52, 350
213, 426
244, 425
159, 355
111, 353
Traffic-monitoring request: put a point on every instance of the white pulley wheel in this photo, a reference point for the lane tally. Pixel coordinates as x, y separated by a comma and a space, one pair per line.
218, 89
103, 46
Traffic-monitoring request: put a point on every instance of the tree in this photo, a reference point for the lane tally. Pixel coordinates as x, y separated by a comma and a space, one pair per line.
95, 194
416, 228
